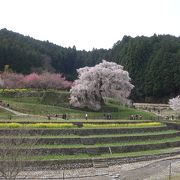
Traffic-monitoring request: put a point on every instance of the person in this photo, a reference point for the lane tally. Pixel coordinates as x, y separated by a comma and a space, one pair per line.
86, 116
172, 117
64, 116
132, 117
110, 116
49, 117
140, 117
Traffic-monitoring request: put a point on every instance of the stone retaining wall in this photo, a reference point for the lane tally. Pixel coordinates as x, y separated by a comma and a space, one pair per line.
96, 140
87, 163
81, 131
100, 150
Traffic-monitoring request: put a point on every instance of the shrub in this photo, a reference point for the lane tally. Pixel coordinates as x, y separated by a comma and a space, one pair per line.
122, 125
50, 125
77, 124
10, 125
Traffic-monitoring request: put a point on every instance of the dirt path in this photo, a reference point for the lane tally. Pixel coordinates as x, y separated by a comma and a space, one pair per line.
13, 111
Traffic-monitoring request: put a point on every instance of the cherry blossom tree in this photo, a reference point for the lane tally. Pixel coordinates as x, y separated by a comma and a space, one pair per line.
54, 81
1, 82
32, 80
106, 79
174, 103
39, 81
11, 80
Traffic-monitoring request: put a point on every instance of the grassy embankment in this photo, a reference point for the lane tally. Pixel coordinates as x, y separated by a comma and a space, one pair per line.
32, 105
97, 127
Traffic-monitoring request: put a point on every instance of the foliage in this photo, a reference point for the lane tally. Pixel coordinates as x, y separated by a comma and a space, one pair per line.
34, 80
153, 65
11, 80
128, 125
10, 125
152, 62
50, 125
175, 103
106, 79
46, 81
37, 125
13, 90
75, 124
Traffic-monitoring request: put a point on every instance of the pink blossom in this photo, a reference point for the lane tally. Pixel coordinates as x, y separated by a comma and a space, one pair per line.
106, 79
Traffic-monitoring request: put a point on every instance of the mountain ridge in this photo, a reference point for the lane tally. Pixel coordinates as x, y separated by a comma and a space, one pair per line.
152, 62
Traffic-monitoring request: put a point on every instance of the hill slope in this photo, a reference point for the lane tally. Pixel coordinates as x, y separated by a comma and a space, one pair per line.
153, 62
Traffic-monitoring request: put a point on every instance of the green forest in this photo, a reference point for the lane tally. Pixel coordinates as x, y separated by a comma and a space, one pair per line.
152, 62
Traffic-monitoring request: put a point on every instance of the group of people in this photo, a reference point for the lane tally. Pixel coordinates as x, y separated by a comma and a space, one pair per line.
135, 117
108, 116
169, 117
4, 104
63, 116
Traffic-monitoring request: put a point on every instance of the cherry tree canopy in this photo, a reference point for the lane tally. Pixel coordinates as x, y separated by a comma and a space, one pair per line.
106, 79
46, 80
174, 103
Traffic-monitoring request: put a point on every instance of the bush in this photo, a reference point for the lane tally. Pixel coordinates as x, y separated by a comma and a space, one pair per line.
122, 125
77, 124
50, 125
20, 93
10, 125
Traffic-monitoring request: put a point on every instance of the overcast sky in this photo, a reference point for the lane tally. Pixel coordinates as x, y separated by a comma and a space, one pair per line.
90, 24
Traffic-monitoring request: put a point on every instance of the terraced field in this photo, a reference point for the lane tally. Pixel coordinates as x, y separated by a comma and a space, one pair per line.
38, 142
101, 140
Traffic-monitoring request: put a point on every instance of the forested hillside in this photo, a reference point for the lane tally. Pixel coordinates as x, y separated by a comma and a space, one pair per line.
25, 54
153, 62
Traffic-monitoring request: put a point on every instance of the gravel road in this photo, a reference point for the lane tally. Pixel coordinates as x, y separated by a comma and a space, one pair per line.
146, 170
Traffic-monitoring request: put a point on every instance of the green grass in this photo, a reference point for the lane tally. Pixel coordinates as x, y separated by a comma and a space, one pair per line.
52, 146
93, 136
40, 118
4, 113
32, 105
88, 156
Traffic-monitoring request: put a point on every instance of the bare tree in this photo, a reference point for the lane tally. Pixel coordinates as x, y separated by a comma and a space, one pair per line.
14, 152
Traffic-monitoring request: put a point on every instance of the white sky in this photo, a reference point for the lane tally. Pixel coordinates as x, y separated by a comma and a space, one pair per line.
90, 24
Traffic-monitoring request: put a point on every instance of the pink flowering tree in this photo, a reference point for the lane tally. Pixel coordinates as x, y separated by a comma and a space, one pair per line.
53, 81
38, 81
46, 81
11, 80
106, 79
1, 82
174, 103
32, 80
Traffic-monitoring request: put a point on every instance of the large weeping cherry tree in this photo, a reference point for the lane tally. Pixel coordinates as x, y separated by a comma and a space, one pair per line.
106, 79
174, 103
